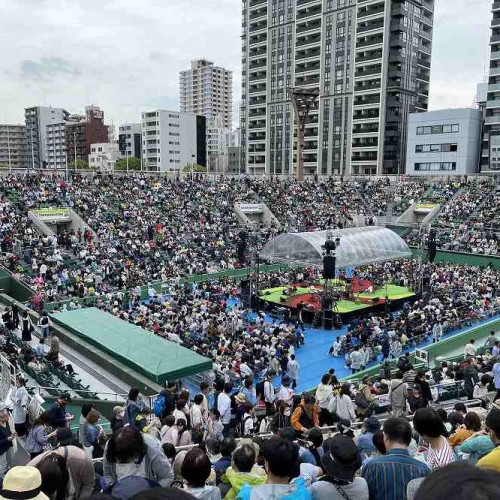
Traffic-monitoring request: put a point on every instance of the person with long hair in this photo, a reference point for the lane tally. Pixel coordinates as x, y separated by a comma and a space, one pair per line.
131, 453
343, 405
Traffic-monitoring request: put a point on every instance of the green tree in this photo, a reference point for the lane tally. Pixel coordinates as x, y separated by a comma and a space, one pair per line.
79, 165
195, 168
133, 164
4, 165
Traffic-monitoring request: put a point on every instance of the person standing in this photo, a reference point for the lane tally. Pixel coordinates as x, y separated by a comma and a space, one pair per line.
488, 345
19, 412
26, 327
397, 395
470, 350
224, 407
388, 476
496, 378
356, 360
44, 324
6, 439
437, 331
293, 370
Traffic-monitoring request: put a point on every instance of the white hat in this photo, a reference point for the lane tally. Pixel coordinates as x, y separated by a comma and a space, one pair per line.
23, 482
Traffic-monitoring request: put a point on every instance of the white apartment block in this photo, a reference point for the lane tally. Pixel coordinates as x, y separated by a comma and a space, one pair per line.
219, 140
103, 156
169, 140
444, 142
207, 90
368, 59
37, 119
55, 145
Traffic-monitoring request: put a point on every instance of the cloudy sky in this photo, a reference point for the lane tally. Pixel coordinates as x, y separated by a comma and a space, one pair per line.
125, 55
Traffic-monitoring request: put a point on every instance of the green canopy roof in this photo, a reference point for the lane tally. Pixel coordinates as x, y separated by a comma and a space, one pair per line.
147, 353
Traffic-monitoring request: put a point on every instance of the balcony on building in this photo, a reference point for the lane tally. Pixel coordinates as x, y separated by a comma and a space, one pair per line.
370, 10
304, 12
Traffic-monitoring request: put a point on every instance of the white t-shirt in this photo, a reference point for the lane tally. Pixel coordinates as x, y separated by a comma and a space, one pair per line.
324, 490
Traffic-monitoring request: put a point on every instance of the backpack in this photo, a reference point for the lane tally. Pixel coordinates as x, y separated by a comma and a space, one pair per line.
129, 486
159, 406
360, 401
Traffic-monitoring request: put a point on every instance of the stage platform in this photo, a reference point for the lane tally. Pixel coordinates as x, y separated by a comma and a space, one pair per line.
363, 300
157, 359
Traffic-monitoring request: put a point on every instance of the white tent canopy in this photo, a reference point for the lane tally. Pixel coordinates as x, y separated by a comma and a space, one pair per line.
358, 246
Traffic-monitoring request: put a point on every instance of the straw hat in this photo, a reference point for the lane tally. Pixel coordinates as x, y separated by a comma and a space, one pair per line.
240, 398
23, 482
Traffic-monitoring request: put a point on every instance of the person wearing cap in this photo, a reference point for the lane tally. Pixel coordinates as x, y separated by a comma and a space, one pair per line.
492, 459
58, 415
80, 468
388, 476
23, 483
365, 441
341, 460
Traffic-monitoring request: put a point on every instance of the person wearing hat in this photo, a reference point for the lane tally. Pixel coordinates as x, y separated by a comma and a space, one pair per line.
492, 459
80, 468
23, 482
341, 460
58, 415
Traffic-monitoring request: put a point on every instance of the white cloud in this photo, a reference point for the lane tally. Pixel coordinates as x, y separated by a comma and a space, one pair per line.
125, 55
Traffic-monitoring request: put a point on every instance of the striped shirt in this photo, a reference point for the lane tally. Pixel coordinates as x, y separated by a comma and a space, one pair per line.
439, 458
388, 476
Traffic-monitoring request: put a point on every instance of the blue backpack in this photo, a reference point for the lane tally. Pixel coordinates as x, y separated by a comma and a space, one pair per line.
159, 406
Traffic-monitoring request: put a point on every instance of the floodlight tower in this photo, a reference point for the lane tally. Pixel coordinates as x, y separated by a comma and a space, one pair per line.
304, 101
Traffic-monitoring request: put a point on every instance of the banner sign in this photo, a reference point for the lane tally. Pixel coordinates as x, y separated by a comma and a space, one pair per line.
251, 208
422, 355
52, 213
425, 206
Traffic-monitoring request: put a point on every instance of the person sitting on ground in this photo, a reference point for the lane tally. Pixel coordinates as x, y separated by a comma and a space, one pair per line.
340, 462
195, 470
430, 427
243, 471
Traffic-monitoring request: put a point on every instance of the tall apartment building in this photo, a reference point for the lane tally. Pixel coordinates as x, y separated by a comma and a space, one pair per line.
490, 154
370, 62
55, 145
81, 134
14, 146
37, 119
129, 140
172, 141
207, 90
